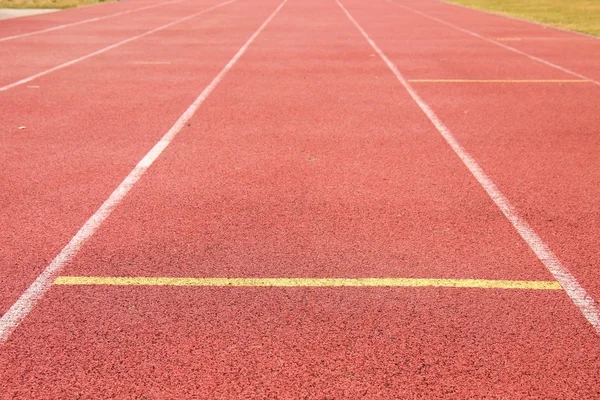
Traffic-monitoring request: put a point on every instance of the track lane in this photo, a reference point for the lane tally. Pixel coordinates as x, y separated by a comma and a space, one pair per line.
224, 343
444, 52
30, 58
346, 186
377, 343
251, 190
64, 165
11, 29
536, 141
575, 52
547, 165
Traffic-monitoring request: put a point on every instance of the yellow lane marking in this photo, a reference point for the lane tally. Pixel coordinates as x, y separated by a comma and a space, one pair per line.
152, 62
500, 80
518, 39
306, 282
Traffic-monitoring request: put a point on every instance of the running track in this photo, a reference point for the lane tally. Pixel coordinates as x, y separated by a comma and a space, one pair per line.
307, 143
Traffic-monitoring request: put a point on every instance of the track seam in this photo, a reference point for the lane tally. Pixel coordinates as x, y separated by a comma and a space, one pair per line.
29, 298
586, 304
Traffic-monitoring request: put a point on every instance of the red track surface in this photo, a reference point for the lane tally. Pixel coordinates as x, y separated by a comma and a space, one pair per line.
308, 160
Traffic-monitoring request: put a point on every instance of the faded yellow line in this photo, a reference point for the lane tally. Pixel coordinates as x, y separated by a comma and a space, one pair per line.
306, 282
498, 80
518, 39
152, 62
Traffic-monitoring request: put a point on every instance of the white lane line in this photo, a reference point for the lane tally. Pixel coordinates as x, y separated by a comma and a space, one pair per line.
25, 303
112, 46
586, 304
504, 46
85, 21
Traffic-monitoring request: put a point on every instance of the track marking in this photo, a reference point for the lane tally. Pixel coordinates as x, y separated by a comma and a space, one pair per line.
85, 21
504, 46
29, 298
306, 282
152, 62
112, 46
498, 80
520, 39
586, 304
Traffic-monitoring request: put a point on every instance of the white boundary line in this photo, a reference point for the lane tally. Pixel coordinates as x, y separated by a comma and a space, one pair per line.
504, 46
520, 19
112, 46
576, 292
85, 21
29, 298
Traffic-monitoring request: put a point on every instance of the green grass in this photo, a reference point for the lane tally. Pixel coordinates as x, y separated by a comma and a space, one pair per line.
47, 3
574, 15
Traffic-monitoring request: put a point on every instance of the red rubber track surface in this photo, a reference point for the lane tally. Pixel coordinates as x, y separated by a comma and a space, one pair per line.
540, 143
345, 185
301, 343
73, 42
308, 160
576, 52
81, 139
21, 26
